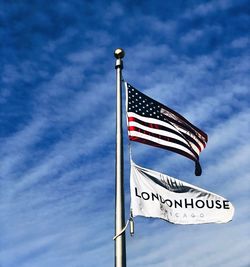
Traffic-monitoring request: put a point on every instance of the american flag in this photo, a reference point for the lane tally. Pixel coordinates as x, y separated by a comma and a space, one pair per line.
152, 123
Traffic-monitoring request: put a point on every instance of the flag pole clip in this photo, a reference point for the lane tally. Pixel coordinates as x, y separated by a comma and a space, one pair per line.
131, 224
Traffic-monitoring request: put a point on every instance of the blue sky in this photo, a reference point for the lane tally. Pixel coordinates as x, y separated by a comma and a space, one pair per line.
57, 116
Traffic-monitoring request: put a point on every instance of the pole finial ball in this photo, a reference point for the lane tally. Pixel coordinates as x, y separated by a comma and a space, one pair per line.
119, 53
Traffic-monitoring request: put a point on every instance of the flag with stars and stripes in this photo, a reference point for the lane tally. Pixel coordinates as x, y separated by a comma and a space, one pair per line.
152, 123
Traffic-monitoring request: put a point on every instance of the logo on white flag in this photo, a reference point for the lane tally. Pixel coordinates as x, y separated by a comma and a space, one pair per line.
157, 195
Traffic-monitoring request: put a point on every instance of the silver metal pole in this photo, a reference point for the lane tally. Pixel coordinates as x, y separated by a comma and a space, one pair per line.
120, 241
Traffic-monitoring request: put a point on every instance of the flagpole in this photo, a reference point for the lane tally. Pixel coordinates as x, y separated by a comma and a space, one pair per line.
120, 241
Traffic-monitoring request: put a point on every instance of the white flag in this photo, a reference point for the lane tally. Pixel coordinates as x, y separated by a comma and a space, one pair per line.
157, 195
